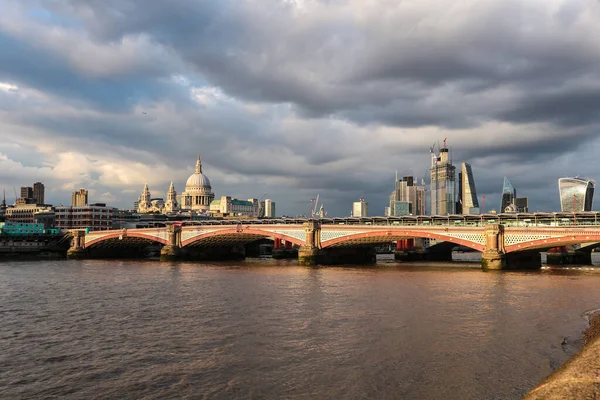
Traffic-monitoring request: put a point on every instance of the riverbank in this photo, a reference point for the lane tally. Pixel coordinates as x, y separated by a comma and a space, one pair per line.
579, 377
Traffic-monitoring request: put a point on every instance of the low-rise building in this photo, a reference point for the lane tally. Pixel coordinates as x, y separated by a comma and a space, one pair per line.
227, 205
96, 217
24, 213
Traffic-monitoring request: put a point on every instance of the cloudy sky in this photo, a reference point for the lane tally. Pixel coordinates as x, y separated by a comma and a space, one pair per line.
296, 97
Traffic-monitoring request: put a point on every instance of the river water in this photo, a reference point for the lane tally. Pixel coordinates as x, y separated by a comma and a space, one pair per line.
267, 329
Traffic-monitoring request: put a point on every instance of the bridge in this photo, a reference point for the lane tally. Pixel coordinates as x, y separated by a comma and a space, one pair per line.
504, 242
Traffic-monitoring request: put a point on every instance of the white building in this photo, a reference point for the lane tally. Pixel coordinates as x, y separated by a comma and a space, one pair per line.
267, 208
171, 205
198, 193
360, 208
231, 206
146, 204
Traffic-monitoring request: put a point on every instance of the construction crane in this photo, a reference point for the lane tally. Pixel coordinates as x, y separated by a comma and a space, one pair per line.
260, 204
315, 203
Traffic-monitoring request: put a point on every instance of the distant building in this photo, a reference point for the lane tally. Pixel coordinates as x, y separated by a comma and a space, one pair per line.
46, 218
231, 206
21, 201
79, 198
400, 208
171, 205
522, 204
27, 194
25, 213
407, 191
267, 209
576, 194
38, 193
3, 205
198, 195
467, 194
360, 208
509, 194
443, 183
96, 217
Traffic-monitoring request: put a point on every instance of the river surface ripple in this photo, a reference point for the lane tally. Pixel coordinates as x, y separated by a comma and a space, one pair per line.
272, 330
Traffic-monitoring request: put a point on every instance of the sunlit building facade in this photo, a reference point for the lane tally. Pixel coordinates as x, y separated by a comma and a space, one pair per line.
468, 202
360, 208
443, 184
576, 194
409, 193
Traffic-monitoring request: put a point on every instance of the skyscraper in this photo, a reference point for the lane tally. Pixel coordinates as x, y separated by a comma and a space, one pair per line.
38, 193
26, 192
408, 198
360, 208
79, 198
576, 194
267, 208
509, 194
469, 203
443, 183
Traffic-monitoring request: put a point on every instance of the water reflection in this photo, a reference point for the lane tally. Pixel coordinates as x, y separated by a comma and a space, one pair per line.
271, 329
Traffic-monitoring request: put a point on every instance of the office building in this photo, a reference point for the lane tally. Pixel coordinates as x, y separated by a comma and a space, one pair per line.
408, 198
38, 193
443, 183
509, 194
267, 209
25, 213
26, 192
230, 206
467, 194
576, 194
522, 204
96, 217
79, 198
360, 208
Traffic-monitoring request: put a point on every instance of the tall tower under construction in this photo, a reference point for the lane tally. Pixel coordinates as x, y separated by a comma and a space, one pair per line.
443, 183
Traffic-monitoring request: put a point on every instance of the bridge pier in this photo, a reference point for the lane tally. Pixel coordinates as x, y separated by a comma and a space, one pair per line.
309, 253
494, 258
172, 250
77, 249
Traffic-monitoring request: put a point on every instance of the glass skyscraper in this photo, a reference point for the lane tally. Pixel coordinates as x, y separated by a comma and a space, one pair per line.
576, 194
468, 201
509, 194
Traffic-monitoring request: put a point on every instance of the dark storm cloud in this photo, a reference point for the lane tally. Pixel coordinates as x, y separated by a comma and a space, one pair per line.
566, 109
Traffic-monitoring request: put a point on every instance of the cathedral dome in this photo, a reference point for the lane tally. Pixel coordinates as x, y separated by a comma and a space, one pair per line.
198, 180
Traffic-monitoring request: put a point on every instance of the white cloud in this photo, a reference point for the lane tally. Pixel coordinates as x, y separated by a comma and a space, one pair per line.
8, 88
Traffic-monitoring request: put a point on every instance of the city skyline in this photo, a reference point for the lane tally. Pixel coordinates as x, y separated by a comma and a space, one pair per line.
123, 101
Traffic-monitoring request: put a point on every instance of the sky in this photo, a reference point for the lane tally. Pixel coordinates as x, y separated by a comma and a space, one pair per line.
287, 99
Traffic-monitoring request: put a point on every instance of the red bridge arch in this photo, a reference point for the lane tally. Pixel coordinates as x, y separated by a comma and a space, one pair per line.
392, 235
246, 231
117, 234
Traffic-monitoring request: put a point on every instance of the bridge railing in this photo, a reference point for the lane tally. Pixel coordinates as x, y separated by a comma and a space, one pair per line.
591, 218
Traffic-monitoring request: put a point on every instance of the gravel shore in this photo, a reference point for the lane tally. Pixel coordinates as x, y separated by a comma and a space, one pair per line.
593, 331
